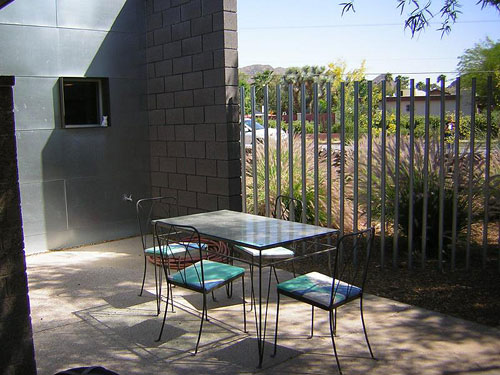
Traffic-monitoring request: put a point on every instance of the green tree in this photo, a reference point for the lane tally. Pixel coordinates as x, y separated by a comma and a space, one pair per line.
390, 87
271, 80
273, 84
339, 74
479, 62
307, 75
292, 76
405, 81
422, 86
260, 80
418, 12
244, 81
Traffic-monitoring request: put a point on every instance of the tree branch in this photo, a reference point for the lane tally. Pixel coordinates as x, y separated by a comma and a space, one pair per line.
419, 16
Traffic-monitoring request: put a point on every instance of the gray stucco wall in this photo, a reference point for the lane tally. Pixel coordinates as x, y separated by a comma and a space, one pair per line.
72, 180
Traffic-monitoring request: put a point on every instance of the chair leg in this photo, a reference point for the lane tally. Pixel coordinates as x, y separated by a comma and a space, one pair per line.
204, 313
275, 274
160, 283
252, 293
333, 341
168, 286
364, 327
165, 314
312, 322
229, 290
276, 326
143, 276
271, 268
157, 291
172, 298
244, 307
335, 322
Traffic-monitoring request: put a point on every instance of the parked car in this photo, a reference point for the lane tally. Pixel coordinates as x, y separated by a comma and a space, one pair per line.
259, 133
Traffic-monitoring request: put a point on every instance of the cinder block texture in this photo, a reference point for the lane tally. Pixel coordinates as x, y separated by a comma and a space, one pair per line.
163, 68
191, 10
193, 102
201, 26
17, 354
225, 21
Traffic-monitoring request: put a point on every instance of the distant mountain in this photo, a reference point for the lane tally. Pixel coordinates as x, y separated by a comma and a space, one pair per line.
378, 79
251, 70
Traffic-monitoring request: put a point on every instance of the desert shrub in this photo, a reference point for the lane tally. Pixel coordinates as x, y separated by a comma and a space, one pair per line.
418, 187
297, 179
481, 125
419, 125
297, 126
477, 196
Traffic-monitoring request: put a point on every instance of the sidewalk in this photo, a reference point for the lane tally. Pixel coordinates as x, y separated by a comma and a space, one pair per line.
85, 311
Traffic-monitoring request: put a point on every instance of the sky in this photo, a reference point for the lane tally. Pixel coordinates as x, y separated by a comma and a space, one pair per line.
313, 32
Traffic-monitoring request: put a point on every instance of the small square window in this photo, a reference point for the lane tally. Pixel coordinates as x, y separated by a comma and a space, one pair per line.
84, 102
407, 108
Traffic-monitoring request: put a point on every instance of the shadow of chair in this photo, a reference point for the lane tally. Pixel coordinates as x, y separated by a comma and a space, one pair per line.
202, 275
345, 285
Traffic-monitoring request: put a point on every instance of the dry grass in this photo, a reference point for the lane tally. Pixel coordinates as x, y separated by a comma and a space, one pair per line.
472, 294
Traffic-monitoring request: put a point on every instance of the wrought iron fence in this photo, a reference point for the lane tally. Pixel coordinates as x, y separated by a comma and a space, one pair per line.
426, 180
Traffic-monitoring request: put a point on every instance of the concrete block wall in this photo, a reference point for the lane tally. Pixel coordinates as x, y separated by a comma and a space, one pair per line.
16, 341
192, 62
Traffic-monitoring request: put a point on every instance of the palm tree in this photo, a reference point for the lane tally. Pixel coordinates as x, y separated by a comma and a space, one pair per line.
293, 76
260, 80
405, 81
421, 86
390, 86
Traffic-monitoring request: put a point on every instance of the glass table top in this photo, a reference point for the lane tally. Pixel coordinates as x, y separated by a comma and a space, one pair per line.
249, 230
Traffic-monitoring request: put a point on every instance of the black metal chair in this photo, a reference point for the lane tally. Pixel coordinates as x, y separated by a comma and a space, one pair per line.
285, 208
202, 276
148, 209
352, 255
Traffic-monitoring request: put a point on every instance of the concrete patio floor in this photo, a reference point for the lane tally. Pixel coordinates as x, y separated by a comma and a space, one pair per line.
85, 311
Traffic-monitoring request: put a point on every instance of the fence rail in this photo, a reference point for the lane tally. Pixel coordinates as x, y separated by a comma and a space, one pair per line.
429, 182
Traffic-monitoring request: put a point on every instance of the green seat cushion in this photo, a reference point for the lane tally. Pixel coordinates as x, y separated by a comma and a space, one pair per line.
173, 250
317, 288
272, 253
215, 274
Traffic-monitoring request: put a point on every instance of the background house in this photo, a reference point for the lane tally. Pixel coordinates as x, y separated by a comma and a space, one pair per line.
434, 100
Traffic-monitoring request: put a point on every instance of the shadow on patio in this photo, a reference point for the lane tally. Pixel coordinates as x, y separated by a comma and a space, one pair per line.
86, 311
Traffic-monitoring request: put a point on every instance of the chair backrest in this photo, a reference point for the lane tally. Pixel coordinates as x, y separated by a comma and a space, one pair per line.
351, 261
288, 208
148, 209
190, 239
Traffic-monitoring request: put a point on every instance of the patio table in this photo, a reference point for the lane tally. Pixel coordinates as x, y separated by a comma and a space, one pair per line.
253, 231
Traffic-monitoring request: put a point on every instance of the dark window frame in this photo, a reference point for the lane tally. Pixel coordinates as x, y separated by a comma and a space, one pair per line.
102, 102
